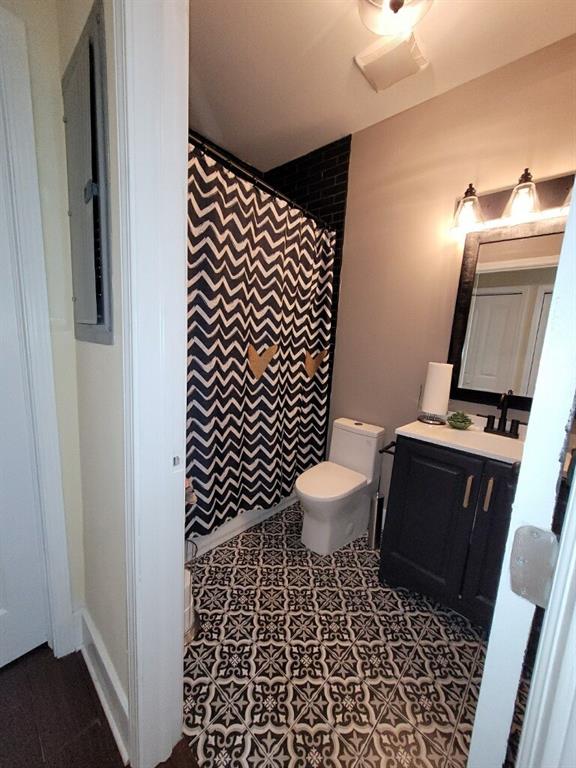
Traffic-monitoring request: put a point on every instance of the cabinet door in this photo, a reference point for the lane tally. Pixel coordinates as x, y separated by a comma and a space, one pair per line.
429, 519
488, 542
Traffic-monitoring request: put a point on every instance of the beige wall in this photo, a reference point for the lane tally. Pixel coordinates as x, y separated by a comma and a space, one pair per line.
44, 60
72, 15
401, 265
100, 406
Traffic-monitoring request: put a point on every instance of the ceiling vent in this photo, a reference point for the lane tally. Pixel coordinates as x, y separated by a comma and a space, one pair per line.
388, 61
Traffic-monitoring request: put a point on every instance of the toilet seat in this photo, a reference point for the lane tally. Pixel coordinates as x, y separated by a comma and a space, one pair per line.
329, 481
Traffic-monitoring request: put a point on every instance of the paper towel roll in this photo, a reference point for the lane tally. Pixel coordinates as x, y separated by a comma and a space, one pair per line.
437, 389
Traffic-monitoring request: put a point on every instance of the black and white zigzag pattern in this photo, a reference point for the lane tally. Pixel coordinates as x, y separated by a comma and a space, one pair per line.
259, 272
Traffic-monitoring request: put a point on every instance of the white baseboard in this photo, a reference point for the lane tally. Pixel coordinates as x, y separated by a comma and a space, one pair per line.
239, 524
79, 628
106, 681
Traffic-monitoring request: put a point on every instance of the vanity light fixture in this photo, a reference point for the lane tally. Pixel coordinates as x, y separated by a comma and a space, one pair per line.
523, 201
395, 18
523, 205
468, 213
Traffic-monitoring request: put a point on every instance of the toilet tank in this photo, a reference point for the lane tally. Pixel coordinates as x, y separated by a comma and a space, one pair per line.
355, 444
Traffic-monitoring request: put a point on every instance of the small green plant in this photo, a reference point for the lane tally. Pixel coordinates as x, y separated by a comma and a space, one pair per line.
459, 420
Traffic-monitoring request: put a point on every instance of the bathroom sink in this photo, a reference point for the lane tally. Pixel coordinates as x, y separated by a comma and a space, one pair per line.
472, 440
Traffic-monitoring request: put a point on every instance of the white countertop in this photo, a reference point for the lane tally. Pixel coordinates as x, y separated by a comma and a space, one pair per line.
471, 440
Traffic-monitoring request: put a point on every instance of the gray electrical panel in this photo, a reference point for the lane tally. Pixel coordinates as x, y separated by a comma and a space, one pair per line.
85, 117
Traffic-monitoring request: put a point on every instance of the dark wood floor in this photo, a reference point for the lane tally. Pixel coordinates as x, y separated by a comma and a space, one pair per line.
51, 717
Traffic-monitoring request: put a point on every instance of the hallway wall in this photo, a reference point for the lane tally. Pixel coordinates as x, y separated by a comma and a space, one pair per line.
100, 404
88, 377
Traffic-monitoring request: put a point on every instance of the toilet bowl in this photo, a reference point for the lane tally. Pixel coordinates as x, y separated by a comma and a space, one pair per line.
335, 494
336, 506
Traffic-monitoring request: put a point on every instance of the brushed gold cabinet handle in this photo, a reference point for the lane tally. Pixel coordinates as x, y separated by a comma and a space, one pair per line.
488, 496
467, 491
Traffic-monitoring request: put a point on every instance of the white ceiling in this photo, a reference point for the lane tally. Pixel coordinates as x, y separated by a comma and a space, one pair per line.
273, 79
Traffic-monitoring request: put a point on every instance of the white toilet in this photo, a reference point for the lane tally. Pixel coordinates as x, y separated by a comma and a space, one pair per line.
335, 494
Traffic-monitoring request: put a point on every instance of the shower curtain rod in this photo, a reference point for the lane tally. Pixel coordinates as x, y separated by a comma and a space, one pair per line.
242, 169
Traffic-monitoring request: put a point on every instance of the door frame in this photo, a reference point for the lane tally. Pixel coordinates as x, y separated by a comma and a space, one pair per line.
151, 93
548, 734
151, 58
553, 404
23, 193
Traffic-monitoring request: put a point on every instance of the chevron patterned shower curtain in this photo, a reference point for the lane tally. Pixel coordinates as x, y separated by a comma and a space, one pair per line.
259, 316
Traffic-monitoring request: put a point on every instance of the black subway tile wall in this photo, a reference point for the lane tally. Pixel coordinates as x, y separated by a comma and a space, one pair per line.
318, 182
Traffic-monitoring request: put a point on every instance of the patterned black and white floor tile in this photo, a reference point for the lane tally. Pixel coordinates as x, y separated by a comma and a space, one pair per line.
305, 661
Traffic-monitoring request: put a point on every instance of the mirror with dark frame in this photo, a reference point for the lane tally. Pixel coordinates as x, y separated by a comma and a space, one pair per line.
501, 311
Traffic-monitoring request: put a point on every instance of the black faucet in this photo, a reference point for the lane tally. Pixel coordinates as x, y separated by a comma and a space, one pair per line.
503, 406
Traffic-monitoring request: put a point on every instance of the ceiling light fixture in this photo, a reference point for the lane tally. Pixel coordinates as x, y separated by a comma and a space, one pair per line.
395, 18
468, 213
524, 198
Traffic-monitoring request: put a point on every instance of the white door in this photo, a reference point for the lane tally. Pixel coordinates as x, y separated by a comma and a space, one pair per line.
533, 505
23, 610
542, 311
492, 347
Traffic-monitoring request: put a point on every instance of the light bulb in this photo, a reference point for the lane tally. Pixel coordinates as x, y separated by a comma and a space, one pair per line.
382, 20
468, 213
523, 201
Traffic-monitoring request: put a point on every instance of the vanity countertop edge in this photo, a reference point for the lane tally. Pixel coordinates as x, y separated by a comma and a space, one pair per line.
473, 440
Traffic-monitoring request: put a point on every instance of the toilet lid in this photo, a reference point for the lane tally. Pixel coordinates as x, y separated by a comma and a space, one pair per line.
328, 480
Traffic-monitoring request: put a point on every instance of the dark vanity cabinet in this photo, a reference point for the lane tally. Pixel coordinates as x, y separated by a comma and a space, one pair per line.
446, 525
